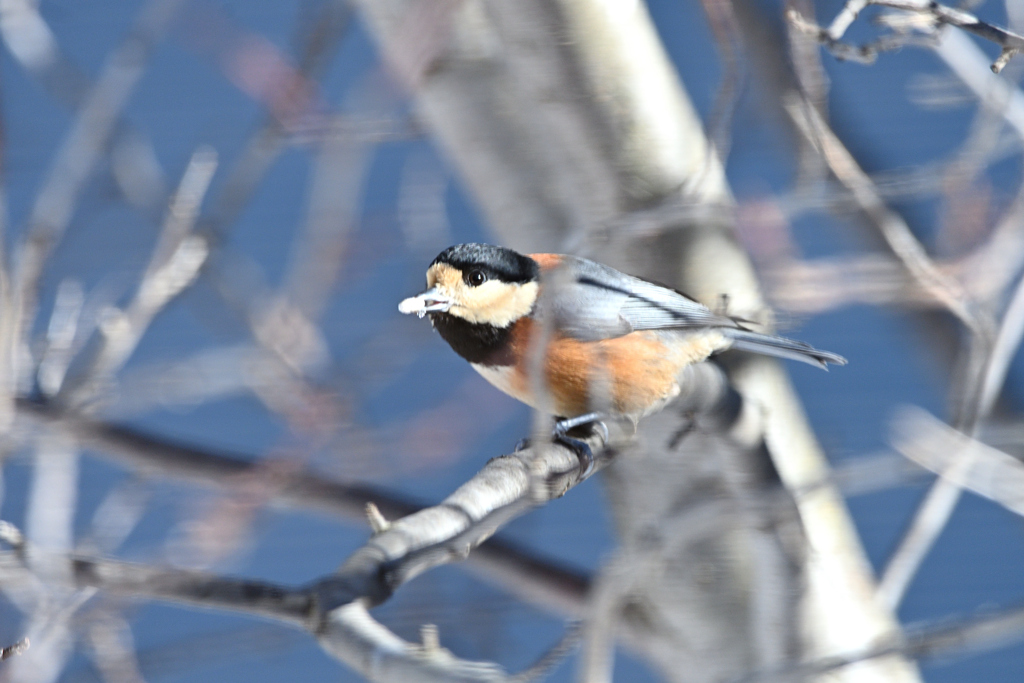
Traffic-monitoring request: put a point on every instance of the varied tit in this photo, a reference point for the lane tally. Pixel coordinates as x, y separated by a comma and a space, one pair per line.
616, 346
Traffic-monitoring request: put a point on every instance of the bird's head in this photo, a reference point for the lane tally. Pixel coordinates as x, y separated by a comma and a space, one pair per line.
479, 283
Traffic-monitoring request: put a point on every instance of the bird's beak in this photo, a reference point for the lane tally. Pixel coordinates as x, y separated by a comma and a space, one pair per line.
430, 301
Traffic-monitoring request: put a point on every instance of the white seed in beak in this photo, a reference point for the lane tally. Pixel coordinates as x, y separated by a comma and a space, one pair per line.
429, 301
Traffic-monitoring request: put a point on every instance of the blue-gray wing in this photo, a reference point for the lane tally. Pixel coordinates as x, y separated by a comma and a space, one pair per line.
594, 301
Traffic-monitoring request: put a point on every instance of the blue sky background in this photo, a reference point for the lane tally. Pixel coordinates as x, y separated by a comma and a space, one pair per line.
185, 99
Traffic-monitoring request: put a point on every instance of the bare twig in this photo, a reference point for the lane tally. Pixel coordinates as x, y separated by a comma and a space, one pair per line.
378, 523
505, 488
892, 227
1007, 341
335, 607
971, 635
814, 286
544, 584
283, 324
966, 59
600, 628
946, 289
114, 649
267, 142
552, 658
33, 44
824, 284
722, 20
293, 606
925, 15
941, 449
937, 507
174, 265
863, 54
15, 649
179, 256
80, 152
204, 467
117, 515
536, 580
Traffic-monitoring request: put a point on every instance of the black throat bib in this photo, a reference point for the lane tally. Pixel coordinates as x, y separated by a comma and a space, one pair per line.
478, 343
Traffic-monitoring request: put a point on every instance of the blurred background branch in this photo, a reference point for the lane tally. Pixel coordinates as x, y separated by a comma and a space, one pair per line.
210, 208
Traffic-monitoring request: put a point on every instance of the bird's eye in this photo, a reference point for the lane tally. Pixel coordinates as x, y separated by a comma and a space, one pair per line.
475, 278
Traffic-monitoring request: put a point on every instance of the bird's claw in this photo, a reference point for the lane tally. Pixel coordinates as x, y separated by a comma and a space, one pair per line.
581, 448
582, 451
560, 434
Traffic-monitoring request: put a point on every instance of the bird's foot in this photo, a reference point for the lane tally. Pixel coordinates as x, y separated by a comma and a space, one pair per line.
579, 447
583, 452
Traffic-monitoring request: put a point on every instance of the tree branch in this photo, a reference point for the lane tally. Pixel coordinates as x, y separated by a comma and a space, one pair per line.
925, 15
87, 139
334, 608
15, 649
935, 510
962, 637
890, 225
965, 462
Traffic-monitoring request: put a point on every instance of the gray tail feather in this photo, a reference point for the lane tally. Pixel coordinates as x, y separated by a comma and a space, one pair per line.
780, 347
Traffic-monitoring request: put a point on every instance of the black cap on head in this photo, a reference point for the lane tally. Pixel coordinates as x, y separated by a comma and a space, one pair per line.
498, 263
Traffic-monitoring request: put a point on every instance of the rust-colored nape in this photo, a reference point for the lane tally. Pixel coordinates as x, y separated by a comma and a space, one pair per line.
546, 261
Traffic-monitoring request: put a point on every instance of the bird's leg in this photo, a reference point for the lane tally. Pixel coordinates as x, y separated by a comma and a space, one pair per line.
582, 450
564, 425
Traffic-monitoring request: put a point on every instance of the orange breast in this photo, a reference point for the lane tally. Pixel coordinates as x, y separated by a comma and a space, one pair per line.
630, 375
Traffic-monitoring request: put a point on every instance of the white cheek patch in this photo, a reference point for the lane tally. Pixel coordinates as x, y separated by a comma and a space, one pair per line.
495, 303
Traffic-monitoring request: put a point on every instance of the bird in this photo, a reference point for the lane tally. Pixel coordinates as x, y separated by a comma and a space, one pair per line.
615, 345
